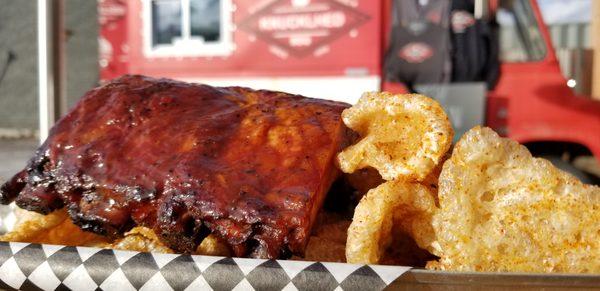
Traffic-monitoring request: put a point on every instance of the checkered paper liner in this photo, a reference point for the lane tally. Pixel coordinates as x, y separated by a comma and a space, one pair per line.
25, 266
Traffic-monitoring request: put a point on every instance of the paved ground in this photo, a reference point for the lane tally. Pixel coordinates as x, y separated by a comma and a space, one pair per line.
14, 154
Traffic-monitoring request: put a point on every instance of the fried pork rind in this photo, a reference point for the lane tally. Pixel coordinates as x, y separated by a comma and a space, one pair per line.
328, 239
143, 239
139, 239
54, 228
503, 210
403, 136
213, 246
392, 205
29, 225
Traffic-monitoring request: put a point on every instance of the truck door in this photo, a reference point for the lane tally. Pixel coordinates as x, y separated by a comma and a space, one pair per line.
528, 68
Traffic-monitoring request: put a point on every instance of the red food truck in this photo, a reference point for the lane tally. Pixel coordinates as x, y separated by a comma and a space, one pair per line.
325, 48
335, 49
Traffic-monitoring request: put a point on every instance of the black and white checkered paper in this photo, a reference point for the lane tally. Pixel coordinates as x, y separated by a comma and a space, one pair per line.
26, 266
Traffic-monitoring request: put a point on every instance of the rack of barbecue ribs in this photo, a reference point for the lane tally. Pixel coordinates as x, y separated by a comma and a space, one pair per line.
188, 160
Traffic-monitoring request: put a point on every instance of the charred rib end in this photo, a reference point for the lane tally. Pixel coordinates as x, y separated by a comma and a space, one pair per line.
178, 228
41, 200
11, 189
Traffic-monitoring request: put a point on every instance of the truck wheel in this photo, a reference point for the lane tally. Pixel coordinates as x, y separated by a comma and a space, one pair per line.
569, 168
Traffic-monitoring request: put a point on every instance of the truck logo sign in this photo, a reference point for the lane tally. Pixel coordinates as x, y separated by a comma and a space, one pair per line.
415, 52
302, 26
111, 11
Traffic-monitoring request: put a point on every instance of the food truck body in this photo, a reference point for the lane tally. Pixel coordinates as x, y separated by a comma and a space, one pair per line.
334, 49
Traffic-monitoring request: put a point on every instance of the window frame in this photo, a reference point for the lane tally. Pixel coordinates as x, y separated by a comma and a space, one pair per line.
525, 37
186, 46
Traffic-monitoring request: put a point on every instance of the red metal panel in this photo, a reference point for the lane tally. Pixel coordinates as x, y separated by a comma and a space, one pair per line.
538, 104
351, 46
531, 101
113, 38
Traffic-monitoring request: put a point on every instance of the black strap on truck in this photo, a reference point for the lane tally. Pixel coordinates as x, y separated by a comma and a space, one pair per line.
475, 47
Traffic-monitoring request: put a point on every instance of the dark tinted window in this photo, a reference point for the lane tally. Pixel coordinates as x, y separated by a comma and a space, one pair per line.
520, 36
166, 21
205, 19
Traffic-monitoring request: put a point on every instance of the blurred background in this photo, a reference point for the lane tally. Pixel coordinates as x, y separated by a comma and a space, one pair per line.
522, 67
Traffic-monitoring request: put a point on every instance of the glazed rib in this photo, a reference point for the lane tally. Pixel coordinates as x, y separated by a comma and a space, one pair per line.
187, 160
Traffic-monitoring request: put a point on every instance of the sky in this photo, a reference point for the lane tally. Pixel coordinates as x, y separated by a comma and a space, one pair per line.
566, 11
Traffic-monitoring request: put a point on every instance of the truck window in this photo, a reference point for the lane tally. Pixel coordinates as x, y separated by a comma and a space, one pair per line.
166, 22
520, 36
205, 22
177, 28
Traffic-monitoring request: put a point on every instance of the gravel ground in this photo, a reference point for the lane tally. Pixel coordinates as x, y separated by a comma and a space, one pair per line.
14, 155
